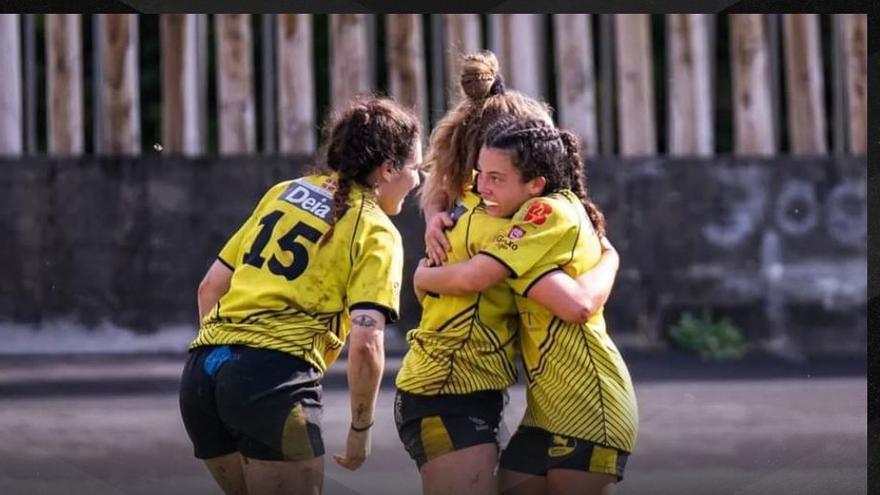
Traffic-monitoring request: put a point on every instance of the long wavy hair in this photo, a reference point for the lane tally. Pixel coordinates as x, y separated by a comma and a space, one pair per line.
456, 139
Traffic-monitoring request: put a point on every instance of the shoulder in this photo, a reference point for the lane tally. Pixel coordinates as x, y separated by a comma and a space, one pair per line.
550, 210
371, 220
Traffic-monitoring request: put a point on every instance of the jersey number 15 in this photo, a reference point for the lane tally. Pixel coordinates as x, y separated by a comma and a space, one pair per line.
287, 242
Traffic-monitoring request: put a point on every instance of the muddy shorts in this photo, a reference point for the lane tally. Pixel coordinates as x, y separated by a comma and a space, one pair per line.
432, 425
536, 451
262, 403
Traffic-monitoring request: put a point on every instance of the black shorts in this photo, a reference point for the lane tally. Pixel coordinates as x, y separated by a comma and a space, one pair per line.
262, 403
536, 451
432, 425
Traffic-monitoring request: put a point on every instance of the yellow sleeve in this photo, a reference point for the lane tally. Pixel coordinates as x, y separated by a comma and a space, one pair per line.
231, 254
377, 272
532, 232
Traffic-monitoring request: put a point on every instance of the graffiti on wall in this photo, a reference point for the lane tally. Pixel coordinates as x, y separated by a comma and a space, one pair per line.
796, 208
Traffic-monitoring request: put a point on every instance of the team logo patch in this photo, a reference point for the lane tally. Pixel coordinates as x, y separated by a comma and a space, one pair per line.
309, 198
562, 446
516, 233
538, 213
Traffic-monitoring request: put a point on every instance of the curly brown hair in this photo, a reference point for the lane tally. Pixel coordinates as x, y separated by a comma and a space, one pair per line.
455, 141
539, 149
359, 138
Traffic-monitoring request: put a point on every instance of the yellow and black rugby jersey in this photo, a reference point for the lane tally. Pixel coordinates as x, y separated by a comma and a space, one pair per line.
578, 384
291, 295
463, 344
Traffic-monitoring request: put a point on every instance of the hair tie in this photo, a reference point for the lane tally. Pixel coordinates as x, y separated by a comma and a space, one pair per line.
497, 87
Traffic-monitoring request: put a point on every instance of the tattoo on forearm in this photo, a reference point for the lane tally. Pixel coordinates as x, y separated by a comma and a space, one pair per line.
360, 412
364, 321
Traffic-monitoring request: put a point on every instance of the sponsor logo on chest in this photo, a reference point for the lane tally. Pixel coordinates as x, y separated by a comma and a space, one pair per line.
504, 243
309, 198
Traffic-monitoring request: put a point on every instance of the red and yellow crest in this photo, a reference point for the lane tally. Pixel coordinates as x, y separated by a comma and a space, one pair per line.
538, 213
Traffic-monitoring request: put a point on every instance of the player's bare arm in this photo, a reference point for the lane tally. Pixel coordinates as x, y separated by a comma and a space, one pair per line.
474, 275
213, 286
575, 300
437, 220
366, 361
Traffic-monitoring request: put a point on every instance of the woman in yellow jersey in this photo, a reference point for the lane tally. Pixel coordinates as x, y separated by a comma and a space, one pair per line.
580, 423
461, 358
317, 260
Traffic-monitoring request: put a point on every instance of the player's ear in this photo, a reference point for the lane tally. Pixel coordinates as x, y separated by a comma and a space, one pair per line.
387, 172
536, 185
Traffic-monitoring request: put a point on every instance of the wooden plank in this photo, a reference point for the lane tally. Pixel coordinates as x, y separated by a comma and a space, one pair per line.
296, 87
120, 98
29, 82
518, 43
855, 52
406, 62
268, 75
181, 129
635, 88
607, 104
11, 124
804, 85
576, 78
64, 76
349, 58
752, 101
463, 35
690, 87
235, 77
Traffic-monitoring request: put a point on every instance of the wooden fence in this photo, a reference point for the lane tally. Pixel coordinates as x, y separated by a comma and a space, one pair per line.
630, 85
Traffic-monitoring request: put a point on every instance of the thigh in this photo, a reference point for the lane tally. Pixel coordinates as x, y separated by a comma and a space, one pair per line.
572, 482
518, 483
304, 477
228, 472
469, 471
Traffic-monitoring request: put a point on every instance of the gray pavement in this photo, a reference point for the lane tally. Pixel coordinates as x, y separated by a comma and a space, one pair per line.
110, 424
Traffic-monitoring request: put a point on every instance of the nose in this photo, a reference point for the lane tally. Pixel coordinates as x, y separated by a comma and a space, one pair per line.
481, 186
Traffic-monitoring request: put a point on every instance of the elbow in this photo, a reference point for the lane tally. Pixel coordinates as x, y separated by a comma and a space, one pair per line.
204, 291
579, 314
367, 349
204, 288
366, 357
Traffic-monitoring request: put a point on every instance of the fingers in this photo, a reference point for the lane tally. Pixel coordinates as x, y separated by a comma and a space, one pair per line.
436, 255
445, 219
436, 245
436, 242
350, 463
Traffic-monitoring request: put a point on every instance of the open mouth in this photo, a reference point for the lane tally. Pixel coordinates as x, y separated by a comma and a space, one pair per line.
489, 202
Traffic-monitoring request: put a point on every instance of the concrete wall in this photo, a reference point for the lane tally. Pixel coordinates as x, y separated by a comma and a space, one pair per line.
780, 244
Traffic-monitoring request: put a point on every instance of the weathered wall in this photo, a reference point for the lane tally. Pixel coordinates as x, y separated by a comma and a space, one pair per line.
779, 244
